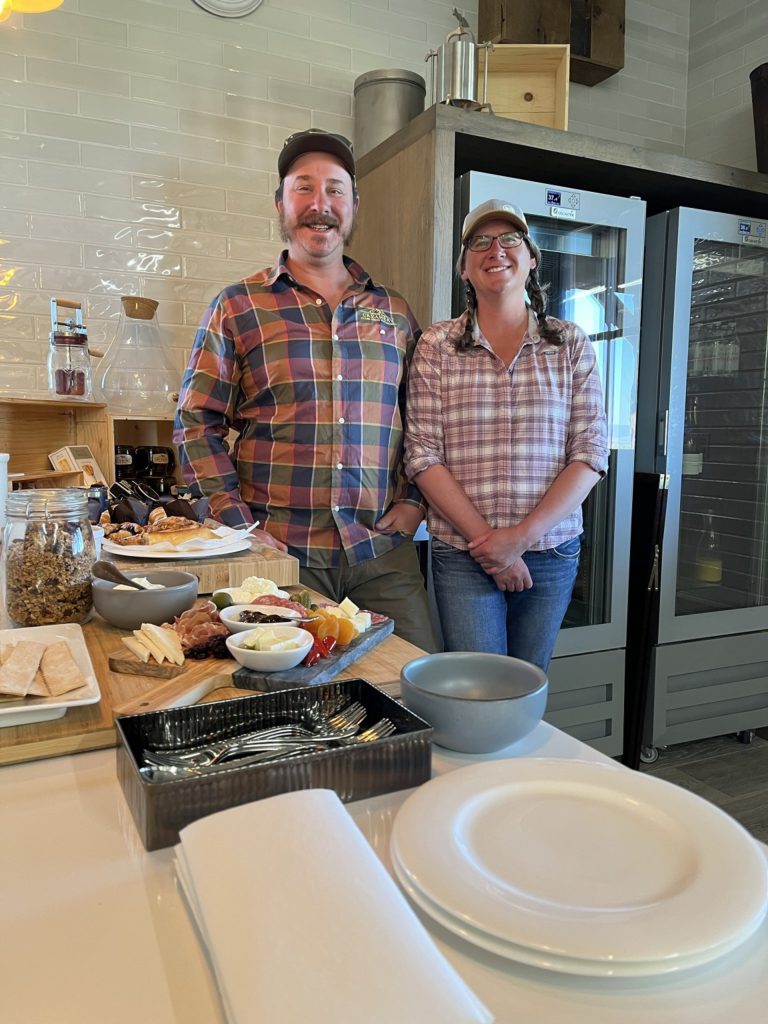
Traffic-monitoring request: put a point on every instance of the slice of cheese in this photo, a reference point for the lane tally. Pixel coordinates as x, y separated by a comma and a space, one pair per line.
157, 652
362, 620
168, 641
136, 647
349, 608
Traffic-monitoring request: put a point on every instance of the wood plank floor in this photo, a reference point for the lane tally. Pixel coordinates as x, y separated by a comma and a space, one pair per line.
724, 771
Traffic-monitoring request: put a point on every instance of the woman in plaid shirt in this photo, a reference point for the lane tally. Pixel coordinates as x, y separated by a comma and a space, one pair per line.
506, 436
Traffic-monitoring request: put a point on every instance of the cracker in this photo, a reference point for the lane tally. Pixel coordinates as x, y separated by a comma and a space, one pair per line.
60, 670
17, 672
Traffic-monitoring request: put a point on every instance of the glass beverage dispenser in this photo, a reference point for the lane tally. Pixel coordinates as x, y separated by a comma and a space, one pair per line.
137, 377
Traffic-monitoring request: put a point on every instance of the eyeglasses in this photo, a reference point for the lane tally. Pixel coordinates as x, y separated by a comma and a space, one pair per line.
508, 240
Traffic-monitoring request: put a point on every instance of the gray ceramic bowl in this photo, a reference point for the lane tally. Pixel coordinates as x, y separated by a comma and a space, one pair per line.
128, 609
476, 703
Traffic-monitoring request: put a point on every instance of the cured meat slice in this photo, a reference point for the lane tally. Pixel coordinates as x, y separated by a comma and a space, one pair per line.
281, 602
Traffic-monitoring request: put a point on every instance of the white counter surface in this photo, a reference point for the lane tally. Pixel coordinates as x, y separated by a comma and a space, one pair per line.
94, 931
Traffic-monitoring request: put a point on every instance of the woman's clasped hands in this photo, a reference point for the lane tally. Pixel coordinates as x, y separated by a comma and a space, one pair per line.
499, 553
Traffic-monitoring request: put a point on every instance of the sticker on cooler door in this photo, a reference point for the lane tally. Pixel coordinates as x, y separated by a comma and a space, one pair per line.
557, 199
558, 211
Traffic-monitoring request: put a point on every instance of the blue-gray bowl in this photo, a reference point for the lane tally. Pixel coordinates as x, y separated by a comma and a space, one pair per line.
476, 703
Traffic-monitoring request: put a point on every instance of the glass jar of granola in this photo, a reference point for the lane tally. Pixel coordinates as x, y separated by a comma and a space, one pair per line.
48, 551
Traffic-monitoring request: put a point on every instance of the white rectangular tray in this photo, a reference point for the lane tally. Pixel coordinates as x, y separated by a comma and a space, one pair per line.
27, 710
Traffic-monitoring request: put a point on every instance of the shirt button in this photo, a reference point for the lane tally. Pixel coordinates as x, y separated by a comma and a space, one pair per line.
339, 466
382, 331
318, 302
335, 508
339, 377
341, 419
335, 337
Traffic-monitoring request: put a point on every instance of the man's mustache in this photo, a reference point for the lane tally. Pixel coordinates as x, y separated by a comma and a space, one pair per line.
308, 222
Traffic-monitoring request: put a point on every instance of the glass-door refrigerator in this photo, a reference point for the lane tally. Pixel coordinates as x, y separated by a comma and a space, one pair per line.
592, 248
700, 663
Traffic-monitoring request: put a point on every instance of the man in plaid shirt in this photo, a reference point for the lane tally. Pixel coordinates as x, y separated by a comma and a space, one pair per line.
305, 362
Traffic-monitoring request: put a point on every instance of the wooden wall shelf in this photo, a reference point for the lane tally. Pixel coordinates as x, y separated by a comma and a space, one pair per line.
30, 428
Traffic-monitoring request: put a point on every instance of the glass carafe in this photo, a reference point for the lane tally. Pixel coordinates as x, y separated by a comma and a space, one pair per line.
137, 376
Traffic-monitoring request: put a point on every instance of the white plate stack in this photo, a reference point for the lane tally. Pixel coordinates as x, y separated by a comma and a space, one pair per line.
578, 867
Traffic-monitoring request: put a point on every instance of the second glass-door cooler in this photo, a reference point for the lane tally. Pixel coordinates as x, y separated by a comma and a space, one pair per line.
703, 426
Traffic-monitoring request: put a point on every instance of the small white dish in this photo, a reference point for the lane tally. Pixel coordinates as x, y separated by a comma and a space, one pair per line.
230, 616
26, 710
270, 661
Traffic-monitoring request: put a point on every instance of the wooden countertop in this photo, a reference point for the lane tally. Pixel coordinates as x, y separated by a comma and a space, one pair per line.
92, 727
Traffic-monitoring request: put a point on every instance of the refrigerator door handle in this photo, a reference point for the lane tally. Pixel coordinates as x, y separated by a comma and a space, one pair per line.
653, 579
664, 432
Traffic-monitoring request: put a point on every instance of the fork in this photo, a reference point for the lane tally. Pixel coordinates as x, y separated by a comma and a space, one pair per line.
343, 724
156, 771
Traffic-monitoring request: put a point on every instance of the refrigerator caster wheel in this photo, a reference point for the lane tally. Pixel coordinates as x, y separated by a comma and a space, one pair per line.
649, 755
746, 736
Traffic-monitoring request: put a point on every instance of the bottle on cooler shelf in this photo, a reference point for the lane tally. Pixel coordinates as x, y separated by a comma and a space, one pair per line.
709, 559
693, 457
731, 350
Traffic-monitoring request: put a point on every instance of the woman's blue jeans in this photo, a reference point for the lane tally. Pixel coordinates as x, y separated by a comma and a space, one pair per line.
476, 616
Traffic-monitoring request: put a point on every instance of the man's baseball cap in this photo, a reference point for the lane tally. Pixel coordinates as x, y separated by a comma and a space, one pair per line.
316, 140
493, 209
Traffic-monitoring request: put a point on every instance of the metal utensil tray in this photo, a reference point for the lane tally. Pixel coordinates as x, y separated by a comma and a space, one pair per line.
161, 809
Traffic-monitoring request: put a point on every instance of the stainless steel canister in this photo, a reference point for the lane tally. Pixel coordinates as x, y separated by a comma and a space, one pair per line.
454, 67
384, 102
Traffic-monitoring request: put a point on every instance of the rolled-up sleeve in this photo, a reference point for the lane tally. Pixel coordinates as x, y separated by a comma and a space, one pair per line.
587, 439
424, 445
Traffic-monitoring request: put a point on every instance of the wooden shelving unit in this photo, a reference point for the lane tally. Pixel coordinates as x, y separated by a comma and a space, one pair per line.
30, 428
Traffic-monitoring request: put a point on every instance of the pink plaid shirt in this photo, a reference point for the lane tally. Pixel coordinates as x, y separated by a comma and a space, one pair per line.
505, 433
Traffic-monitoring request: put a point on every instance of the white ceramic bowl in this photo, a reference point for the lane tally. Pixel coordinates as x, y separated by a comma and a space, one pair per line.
476, 703
230, 616
270, 661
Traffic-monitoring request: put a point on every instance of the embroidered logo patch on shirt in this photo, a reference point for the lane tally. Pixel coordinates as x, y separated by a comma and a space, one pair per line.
378, 316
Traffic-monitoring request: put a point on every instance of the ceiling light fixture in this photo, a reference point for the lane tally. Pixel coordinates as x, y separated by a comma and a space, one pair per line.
7, 7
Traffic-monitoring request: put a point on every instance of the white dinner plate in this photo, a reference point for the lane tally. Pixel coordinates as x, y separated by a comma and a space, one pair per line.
26, 710
582, 860
551, 961
145, 551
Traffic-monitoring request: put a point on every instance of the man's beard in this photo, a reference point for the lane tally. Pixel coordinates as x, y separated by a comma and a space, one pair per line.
285, 233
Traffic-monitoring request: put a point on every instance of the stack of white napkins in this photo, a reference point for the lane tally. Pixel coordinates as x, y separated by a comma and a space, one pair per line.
302, 922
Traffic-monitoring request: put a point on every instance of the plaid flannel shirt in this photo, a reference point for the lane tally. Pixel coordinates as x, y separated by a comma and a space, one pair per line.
504, 433
316, 398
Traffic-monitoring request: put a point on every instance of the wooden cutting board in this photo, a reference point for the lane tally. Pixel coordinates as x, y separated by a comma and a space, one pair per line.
127, 663
92, 727
220, 571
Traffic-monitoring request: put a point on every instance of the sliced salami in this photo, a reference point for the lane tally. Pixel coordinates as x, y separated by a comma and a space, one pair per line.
280, 602
376, 618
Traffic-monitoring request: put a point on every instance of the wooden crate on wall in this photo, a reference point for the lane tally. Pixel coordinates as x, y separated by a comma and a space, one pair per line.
528, 83
594, 30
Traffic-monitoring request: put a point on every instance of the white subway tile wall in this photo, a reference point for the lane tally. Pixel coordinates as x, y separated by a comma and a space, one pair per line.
138, 149
138, 141
729, 38
645, 103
